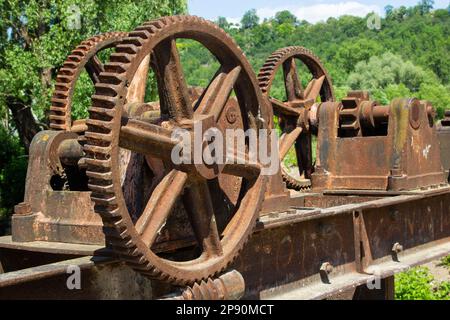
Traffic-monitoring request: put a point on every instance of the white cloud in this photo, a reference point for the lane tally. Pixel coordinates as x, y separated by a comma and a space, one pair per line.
319, 12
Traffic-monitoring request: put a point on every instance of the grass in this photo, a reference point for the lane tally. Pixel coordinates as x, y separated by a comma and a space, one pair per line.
418, 284
446, 262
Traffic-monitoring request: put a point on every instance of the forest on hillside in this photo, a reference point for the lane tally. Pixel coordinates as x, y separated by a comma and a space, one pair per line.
407, 56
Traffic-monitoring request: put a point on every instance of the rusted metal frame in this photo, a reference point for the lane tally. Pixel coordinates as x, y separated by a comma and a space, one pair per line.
35, 219
386, 291
48, 271
50, 247
105, 279
358, 270
363, 256
318, 290
305, 214
405, 159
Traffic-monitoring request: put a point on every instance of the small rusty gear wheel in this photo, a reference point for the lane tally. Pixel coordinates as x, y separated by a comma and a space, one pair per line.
83, 57
293, 114
110, 130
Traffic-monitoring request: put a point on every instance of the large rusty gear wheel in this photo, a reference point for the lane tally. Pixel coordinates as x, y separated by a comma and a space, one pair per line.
83, 57
293, 113
110, 130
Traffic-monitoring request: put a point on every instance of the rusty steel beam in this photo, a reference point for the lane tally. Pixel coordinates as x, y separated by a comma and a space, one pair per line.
286, 253
315, 253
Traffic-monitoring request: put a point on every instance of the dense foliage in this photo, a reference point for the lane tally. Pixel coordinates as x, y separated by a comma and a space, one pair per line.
418, 284
35, 38
407, 56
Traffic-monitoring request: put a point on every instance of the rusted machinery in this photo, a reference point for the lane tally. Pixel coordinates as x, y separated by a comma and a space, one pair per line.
103, 194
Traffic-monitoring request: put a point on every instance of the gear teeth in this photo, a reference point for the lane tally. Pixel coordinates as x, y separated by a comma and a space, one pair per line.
120, 235
99, 102
98, 164
127, 48
265, 79
120, 57
56, 126
68, 75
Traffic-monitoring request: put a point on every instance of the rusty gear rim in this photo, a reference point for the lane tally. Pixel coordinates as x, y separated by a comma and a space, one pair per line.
297, 98
106, 129
82, 57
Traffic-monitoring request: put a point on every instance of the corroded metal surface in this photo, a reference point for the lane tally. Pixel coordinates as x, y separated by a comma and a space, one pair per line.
49, 212
443, 132
294, 113
83, 57
311, 253
107, 131
229, 286
379, 203
285, 255
392, 147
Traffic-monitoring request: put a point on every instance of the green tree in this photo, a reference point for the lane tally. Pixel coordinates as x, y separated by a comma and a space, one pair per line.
381, 71
37, 35
250, 19
437, 94
353, 51
35, 38
13, 165
388, 10
223, 23
425, 6
286, 16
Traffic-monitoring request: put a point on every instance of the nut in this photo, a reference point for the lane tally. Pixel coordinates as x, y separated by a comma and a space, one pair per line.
232, 114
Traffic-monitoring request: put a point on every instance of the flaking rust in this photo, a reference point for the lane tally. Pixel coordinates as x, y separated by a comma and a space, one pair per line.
104, 191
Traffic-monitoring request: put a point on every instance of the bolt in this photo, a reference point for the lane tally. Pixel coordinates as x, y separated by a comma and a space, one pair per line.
397, 247
22, 208
231, 115
326, 267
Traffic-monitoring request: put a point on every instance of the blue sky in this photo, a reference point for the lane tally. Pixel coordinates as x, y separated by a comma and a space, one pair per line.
311, 11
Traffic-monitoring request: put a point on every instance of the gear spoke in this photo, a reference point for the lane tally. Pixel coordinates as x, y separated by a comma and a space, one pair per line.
146, 138
287, 140
171, 81
241, 166
160, 206
280, 108
216, 95
201, 213
294, 120
136, 90
83, 57
304, 155
312, 91
292, 83
94, 67
108, 131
